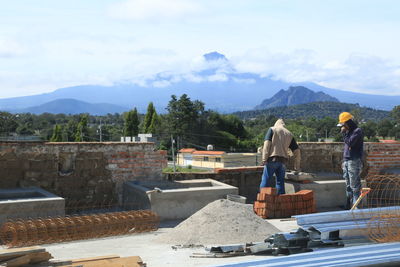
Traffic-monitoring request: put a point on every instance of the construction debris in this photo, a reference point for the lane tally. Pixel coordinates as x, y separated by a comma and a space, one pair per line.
60, 229
270, 205
220, 222
277, 244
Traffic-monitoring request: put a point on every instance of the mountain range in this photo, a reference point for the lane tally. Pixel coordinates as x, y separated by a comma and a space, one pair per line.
293, 96
73, 106
217, 84
317, 110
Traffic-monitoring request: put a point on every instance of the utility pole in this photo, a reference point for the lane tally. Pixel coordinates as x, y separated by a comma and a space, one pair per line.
100, 132
173, 152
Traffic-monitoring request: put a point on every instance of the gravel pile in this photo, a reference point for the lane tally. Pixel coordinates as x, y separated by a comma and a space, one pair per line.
220, 222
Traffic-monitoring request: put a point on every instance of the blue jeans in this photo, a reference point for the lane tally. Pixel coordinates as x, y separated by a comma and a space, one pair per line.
279, 169
351, 174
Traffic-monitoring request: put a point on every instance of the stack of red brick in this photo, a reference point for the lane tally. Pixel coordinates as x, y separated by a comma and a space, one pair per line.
271, 205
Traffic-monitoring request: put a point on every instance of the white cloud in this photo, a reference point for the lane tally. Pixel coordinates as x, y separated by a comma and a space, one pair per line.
359, 72
10, 48
153, 9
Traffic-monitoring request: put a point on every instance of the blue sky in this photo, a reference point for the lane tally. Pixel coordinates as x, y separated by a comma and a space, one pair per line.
349, 45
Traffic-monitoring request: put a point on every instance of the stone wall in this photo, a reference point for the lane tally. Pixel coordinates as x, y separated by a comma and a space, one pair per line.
90, 172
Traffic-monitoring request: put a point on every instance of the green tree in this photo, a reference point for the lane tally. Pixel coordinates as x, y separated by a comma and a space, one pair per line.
8, 123
57, 134
131, 126
154, 125
369, 128
82, 131
384, 128
183, 115
395, 113
149, 119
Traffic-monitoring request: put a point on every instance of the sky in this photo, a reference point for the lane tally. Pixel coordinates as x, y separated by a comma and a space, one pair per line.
350, 45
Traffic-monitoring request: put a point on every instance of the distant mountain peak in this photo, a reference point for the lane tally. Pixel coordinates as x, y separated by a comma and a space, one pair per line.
295, 95
214, 56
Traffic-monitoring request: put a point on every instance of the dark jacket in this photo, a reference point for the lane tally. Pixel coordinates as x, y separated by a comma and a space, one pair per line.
353, 142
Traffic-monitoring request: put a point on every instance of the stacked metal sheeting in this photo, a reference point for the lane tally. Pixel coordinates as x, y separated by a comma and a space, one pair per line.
367, 255
345, 225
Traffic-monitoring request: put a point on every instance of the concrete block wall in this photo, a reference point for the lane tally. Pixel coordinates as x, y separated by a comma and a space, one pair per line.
80, 172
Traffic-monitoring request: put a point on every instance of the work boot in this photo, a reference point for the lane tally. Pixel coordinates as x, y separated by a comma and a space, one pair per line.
348, 203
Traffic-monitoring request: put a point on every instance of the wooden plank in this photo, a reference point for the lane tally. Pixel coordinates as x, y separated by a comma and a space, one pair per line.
70, 262
134, 261
95, 258
39, 257
19, 261
15, 252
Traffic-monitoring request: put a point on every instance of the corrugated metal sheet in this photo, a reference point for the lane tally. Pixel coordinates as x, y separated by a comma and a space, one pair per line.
366, 255
344, 224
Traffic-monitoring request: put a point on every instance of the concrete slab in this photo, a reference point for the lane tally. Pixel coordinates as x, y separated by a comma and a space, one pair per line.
32, 202
175, 200
149, 249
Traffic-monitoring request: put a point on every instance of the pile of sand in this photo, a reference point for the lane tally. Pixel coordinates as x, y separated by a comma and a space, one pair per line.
220, 222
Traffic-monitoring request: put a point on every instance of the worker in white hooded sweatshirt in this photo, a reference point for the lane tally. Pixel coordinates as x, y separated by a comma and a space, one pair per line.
278, 141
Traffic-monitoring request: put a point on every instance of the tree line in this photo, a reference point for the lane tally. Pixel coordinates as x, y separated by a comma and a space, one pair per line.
190, 124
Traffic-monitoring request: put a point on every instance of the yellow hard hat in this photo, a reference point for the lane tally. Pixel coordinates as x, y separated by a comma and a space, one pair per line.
343, 117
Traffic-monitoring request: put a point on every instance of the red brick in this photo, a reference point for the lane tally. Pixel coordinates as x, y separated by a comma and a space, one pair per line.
262, 205
307, 194
261, 197
270, 199
268, 190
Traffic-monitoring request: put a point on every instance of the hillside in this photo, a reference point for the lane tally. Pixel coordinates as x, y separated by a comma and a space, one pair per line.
73, 106
317, 110
293, 96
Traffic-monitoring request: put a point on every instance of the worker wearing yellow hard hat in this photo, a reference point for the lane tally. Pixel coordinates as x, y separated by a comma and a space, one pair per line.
353, 139
343, 117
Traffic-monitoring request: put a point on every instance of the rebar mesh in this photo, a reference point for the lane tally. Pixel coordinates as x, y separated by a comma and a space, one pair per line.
383, 224
17, 233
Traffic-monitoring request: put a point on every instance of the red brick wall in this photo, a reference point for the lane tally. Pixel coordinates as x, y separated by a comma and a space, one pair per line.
381, 156
91, 172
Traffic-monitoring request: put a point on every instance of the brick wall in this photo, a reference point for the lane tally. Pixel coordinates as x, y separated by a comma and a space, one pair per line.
91, 172
381, 157
327, 157
316, 157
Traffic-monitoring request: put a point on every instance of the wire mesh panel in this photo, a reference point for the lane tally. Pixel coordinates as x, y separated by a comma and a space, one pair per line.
379, 211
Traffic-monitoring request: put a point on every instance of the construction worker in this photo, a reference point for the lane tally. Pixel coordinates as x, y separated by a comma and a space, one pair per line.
278, 141
353, 139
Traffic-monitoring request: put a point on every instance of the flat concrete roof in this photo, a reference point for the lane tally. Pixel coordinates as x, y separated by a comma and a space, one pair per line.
149, 249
